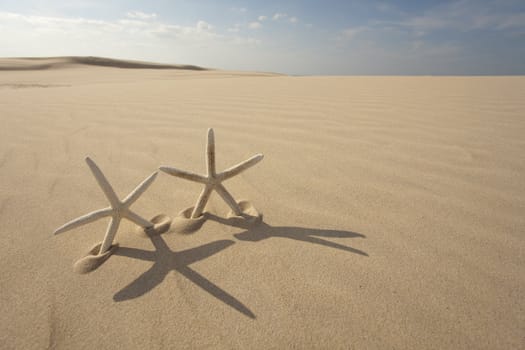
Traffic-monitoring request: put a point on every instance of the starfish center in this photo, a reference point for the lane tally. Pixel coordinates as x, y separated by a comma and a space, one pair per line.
119, 210
213, 180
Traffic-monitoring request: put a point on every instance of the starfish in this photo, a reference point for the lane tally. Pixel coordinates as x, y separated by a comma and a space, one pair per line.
117, 210
213, 181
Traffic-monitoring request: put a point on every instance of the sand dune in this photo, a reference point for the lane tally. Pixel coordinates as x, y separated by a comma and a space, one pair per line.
39, 63
393, 211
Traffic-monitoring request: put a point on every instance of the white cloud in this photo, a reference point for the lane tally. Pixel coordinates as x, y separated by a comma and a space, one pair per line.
512, 21
203, 26
282, 16
262, 18
235, 29
423, 48
239, 9
247, 41
254, 25
463, 15
351, 33
141, 15
151, 39
383, 7
279, 16
48, 21
202, 31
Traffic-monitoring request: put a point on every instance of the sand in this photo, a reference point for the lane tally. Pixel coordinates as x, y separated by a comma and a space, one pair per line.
393, 210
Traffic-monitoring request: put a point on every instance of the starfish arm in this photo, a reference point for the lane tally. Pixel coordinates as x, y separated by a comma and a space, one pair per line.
137, 192
110, 235
201, 202
139, 220
103, 183
84, 219
184, 174
237, 169
210, 153
228, 198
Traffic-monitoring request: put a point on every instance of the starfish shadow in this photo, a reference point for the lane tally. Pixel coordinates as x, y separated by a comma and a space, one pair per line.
165, 260
264, 231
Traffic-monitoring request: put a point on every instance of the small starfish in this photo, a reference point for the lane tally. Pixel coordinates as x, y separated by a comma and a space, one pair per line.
212, 180
118, 209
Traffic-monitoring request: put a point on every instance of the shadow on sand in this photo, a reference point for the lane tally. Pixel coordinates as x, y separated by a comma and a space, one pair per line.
261, 231
166, 260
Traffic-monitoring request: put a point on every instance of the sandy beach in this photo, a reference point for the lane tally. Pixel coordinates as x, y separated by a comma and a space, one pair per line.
393, 209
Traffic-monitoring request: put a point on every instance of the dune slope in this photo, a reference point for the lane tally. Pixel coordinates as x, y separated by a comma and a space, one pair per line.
38, 63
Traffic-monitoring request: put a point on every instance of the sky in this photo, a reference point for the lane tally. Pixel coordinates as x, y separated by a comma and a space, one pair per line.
308, 37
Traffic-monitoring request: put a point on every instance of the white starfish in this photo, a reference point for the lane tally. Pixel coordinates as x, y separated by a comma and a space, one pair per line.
118, 209
212, 180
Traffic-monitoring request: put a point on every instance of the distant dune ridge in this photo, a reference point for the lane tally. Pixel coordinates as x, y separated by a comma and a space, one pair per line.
393, 209
38, 63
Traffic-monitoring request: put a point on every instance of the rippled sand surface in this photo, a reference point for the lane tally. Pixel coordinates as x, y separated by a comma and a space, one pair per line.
393, 210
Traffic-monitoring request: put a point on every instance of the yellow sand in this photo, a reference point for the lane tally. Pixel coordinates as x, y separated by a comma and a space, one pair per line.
394, 210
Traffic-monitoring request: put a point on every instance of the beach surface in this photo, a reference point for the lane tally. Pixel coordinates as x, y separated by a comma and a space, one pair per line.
394, 209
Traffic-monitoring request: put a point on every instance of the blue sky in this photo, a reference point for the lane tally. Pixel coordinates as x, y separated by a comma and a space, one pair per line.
288, 36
